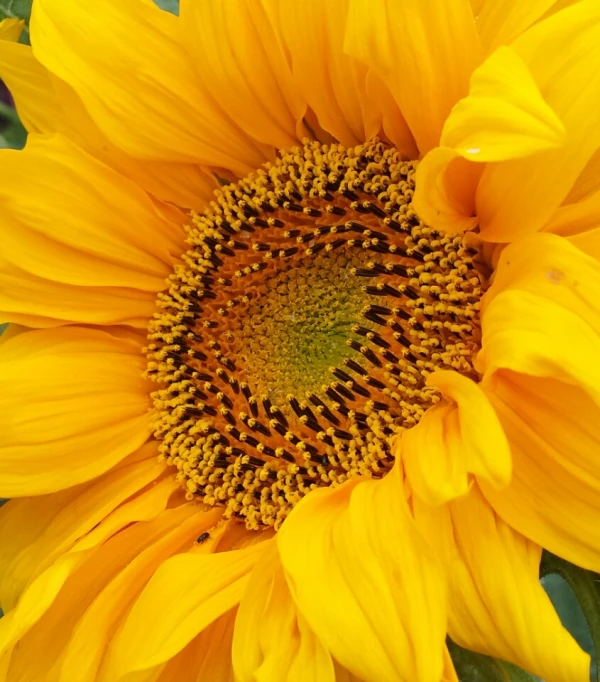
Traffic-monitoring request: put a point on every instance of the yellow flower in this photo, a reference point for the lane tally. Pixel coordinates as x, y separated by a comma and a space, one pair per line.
373, 369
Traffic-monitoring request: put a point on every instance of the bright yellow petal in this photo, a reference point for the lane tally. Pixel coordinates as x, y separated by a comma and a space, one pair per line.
44, 589
174, 532
504, 116
139, 548
554, 432
207, 658
455, 439
517, 197
185, 595
143, 94
240, 59
73, 404
184, 184
365, 581
333, 82
38, 303
31, 88
497, 605
541, 316
445, 190
271, 640
47, 104
10, 29
49, 525
69, 219
500, 21
572, 219
424, 52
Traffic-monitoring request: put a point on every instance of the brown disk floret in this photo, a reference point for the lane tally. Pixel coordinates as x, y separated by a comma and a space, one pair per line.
295, 337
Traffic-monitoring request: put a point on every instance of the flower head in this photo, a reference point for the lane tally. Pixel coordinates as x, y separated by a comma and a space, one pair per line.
302, 360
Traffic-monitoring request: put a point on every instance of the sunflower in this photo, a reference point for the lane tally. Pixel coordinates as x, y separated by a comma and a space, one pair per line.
302, 371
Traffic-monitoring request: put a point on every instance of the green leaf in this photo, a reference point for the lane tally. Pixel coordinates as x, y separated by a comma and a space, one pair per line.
169, 5
17, 9
585, 586
13, 136
473, 667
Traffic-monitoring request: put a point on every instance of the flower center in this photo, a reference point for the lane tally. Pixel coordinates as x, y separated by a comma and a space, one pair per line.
295, 339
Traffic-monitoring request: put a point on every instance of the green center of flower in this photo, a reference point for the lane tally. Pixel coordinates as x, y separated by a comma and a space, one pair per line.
295, 339
300, 323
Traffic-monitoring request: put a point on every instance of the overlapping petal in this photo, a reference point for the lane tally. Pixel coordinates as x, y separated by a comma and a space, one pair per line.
73, 404
540, 368
77, 223
367, 584
496, 603
271, 640
455, 440
143, 94
424, 53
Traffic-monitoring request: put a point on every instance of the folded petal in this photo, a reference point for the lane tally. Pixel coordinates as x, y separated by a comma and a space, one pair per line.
207, 657
49, 525
366, 582
143, 94
455, 440
185, 595
424, 53
496, 603
139, 549
240, 59
504, 116
40, 594
445, 187
539, 360
271, 640
177, 530
541, 316
554, 434
73, 404
519, 196
70, 219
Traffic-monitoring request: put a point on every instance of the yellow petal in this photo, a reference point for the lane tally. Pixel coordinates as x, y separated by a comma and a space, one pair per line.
541, 315
73, 404
271, 639
43, 590
454, 440
577, 218
504, 116
240, 59
31, 88
445, 189
207, 657
36, 302
497, 605
424, 53
143, 94
554, 433
171, 533
366, 582
49, 525
10, 29
332, 82
185, 595
111, 236
500, 21
562, 52
139, 548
